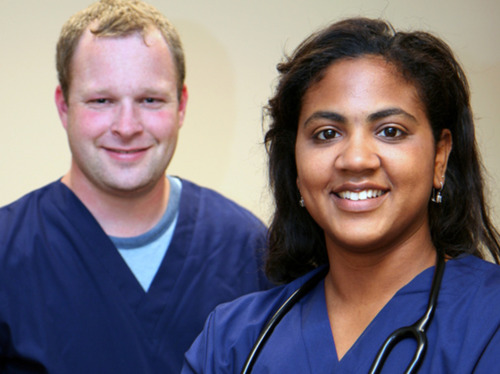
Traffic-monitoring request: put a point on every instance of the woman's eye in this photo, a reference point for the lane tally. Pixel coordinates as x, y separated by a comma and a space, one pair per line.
326, 134
391, 132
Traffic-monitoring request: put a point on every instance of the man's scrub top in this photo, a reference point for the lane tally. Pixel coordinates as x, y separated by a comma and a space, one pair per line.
463, 336
69, 304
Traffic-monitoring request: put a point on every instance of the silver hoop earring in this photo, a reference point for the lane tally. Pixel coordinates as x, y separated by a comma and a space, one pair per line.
437, 197
302, 202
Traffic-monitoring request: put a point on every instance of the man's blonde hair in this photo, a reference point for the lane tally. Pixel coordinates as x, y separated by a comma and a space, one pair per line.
115, 18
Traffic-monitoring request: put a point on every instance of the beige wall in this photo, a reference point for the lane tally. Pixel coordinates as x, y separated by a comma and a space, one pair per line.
232, 48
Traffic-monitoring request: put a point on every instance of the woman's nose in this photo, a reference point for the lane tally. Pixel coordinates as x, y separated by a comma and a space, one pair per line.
358, 153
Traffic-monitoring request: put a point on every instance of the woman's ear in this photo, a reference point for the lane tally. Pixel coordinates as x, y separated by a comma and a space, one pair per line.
443, 149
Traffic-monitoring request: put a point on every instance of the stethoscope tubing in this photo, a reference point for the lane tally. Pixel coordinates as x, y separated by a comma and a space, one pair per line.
276, 318
417, 329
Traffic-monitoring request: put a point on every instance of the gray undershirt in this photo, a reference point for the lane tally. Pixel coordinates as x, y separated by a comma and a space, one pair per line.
144, 253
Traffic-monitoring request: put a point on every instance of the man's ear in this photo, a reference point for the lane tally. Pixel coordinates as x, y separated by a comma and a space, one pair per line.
182, 105
443, 149
62, 106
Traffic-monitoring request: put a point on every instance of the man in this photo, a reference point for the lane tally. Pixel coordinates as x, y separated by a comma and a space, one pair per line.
114, 268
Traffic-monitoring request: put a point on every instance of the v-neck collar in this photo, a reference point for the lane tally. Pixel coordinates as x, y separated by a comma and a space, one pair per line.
319, 340
147, 307
316, 332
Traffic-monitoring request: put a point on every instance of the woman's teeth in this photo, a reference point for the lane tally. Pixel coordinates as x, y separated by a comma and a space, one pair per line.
361, 195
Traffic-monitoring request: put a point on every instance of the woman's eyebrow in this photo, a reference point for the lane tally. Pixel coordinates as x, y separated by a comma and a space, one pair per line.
332, 116
390, 112
336, 117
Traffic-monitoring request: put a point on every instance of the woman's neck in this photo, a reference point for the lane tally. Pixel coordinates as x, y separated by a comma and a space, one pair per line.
356, 276
359, 285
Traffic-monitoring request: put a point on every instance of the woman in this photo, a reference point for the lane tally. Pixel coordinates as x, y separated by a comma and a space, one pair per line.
378, 183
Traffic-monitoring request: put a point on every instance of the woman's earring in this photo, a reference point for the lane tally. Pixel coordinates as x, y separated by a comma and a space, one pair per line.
437, 197
301, 202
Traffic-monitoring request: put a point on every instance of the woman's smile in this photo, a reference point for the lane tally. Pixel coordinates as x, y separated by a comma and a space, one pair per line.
365, 155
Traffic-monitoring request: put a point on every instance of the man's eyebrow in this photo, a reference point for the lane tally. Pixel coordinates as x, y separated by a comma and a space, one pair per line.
390, 112
156, 91
332, 116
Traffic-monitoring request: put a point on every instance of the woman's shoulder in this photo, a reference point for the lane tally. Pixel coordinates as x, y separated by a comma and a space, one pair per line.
467, 320
473, 280
259, 306
233, 327
471, 270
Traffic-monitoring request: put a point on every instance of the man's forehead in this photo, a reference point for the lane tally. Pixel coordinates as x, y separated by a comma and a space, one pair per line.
89, 41
149, 32
94, 53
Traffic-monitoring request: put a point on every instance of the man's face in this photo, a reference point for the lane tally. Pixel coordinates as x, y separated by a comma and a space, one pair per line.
123, 112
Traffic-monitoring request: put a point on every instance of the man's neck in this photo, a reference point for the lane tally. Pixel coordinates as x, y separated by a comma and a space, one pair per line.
122, 215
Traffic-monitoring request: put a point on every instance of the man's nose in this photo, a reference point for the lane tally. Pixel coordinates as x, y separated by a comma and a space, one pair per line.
127, 122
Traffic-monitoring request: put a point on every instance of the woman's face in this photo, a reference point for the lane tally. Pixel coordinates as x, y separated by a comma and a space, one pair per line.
366, 157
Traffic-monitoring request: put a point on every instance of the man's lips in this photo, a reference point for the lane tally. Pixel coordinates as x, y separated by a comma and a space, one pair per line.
126, 150
126, 154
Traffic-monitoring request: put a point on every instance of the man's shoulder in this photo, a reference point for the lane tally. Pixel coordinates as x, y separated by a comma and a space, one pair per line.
34, 208
27, 201
20, 220
211, 203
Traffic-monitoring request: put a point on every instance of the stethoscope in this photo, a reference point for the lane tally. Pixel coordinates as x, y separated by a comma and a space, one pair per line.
416, 331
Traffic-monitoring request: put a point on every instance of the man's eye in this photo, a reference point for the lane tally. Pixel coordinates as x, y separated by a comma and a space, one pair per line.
327, 134
154, 100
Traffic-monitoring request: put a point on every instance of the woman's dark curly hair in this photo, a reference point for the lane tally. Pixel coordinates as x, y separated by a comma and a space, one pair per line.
460, 224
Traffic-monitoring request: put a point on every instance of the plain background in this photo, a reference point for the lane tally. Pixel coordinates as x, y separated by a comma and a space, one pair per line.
232, 48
